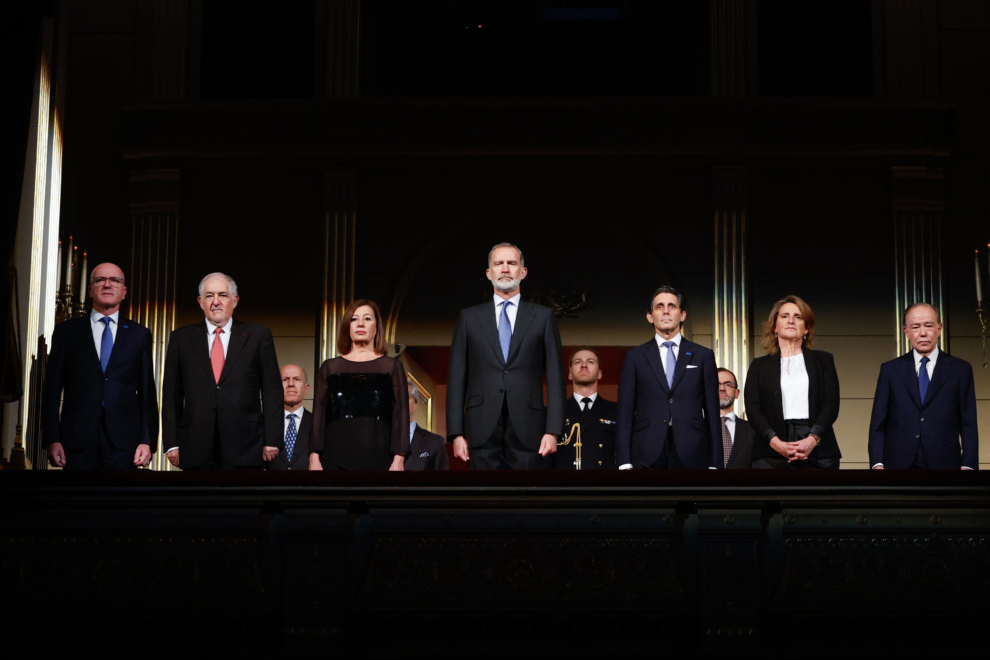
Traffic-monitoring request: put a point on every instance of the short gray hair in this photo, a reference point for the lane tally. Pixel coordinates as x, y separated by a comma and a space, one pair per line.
938, 316
522, 260
231, 284
414, 391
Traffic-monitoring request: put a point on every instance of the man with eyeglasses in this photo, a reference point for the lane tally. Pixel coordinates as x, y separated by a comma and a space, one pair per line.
222, 393
737, 434
100, 371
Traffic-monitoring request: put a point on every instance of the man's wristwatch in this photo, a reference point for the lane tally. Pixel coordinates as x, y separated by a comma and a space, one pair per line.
818, 440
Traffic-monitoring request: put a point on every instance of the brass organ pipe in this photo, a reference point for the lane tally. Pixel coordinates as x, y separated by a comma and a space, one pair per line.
744, 310
715, 321
734, 361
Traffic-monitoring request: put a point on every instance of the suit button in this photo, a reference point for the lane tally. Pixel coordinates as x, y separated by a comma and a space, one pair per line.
670, 401
922, 419
600, 447
599, 462
917, 436
218, 387
290, 467
664, 421
506, 372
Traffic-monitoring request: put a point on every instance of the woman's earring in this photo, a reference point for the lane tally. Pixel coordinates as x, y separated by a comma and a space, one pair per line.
805, 336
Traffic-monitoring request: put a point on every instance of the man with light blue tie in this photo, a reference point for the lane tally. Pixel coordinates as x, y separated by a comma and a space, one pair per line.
100, 371
501, 350
668, 408
298, 420
924, 409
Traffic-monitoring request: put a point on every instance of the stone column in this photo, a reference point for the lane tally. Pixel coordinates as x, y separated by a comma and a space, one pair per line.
340, 222
155, 197
731, 334
917, 195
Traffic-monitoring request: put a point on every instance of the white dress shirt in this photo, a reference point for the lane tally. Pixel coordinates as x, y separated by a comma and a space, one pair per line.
224, 336
794, 387
593, 396
96, 323
730, 423
512, 311
932, 358
663, 359
299, 415
663, 349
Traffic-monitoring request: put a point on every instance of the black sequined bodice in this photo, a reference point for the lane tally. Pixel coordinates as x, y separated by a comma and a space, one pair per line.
360, 395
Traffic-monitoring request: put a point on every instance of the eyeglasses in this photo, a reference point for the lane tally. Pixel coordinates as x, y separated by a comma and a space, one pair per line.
114, 281
727, 385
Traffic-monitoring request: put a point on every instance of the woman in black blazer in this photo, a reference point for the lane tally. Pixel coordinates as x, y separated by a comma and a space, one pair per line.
792, 394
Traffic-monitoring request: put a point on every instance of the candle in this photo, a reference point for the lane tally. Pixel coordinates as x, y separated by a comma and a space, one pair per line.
58, 269
82, 282
979, 286
68, 265
72, 264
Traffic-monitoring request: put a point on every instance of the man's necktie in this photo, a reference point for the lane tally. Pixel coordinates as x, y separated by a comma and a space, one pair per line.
726, 442
106, 343
585, 404
671, 363
923, 380
216, 354
505, 331
290, 437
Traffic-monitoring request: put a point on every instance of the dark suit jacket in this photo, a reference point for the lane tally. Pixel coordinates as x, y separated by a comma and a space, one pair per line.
431, 444
742, 445
479, 379
597, 436
765, 405
646, 405
300, 455
900, 422
193, 402
125, 394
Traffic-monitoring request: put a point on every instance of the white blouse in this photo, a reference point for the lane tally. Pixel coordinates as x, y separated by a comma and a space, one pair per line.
794, 387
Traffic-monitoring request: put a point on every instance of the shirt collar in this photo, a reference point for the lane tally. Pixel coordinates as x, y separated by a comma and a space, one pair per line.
731, 417
593, 396
298, 412
514, 299
676, 339
96, 317
932, 357
226, 328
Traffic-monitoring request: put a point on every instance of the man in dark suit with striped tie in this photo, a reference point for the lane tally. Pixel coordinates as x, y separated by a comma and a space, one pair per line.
737, 434
101, 364
924, 409
298, 421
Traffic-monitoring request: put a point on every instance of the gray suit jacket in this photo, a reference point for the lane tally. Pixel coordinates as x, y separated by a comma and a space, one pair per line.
480, 379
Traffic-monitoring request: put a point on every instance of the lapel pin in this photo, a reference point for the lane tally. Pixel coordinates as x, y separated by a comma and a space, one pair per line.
687, 354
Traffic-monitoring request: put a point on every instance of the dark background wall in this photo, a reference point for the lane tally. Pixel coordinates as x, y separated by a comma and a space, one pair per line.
587, 138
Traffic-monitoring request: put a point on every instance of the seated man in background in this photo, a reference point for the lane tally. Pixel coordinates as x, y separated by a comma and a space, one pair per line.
427, 451
298, 421
737, 434
595, 415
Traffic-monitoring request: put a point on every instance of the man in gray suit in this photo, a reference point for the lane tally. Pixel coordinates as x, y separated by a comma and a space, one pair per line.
498, 357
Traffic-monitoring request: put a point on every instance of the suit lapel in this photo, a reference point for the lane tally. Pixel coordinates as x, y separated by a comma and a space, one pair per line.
123, 335
201, 349
486, 316
910, 378
773, 372
685, 354
524, 318
653, 357
814, 383
238, 338
86, 332
938, 376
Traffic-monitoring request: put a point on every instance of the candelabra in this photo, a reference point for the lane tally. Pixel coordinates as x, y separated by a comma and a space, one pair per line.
66, 305
979, 302
983, 331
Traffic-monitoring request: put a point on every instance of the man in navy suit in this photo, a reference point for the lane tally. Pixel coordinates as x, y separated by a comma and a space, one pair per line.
924, 404
101, 364
668, 396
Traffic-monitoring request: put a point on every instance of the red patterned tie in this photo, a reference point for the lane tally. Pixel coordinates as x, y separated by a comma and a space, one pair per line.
216, 354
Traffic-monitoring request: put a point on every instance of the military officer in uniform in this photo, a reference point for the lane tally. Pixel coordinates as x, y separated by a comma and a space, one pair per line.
595, 415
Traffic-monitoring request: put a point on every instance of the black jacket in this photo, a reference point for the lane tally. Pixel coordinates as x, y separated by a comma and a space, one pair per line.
597, 436
427, 451
646, 405
247, 401
742, 446
479, 379
300, 455
765, 406
125, 394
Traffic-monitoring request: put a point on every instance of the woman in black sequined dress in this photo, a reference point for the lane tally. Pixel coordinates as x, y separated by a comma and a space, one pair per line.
360, 413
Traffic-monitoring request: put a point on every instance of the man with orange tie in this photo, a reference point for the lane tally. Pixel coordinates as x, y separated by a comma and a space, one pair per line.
222, 394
